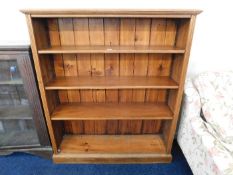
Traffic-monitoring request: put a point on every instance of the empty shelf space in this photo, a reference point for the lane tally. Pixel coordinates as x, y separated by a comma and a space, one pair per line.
111, 148
136, 82
112, 111
110, 49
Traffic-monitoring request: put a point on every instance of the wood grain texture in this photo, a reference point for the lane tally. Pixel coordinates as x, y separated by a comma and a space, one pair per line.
90, 148
81, 36
136, 13
70, 64
186, 30
81, 31
54, 38
111, 38
139, 48
33, 31
116, 144
96, 36
142, 37
111, 111
123, 82
112, 158
127, 37
157, 36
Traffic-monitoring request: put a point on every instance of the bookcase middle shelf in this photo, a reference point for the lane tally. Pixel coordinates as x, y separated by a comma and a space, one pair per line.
111, 82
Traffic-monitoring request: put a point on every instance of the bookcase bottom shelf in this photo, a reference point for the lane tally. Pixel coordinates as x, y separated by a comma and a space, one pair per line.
112, 149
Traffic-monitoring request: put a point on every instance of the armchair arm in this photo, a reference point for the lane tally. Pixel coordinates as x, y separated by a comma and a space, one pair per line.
191, 101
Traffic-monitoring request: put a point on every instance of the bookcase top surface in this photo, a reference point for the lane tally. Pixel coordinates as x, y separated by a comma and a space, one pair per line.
111, 12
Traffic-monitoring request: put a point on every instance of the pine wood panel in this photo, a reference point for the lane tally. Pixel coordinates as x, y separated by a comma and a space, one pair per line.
111, 38
70, 64
116, 144
142, 37
157, 35
83, 149
185, 30
54, 37
34, 31
136, 13
111, 111
127, 37
67, 38
96, 36
81, 32
114, 82
81, 36
139, 48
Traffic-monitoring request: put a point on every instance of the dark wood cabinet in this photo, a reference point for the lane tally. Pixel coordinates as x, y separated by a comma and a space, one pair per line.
22, 124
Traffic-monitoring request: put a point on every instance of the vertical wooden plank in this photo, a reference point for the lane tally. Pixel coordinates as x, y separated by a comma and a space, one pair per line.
142, 37
58, 60
70, 65
81, 33
96, 35
157, 37
111, 37
34, 35
74, 127
127, 37
184, 39
167, 58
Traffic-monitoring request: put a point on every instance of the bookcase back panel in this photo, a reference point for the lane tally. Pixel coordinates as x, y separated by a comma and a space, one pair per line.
92, 65
108, 31
112, 127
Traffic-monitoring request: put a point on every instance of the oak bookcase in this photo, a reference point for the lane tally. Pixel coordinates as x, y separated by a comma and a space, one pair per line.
111, 81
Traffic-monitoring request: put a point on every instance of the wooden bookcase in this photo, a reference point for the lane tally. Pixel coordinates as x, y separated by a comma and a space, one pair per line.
111, 81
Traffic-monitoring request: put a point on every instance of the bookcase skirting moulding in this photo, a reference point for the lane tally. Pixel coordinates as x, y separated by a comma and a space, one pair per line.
111, 81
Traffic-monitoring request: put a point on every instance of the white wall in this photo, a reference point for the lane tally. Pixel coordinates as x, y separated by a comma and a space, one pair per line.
212, 44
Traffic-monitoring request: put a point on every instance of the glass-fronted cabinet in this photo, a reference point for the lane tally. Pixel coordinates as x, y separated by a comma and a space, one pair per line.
22, 124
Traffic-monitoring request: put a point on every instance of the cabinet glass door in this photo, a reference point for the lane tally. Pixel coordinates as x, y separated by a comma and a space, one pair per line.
16, 123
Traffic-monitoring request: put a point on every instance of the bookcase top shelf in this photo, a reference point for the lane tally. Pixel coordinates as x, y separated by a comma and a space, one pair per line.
110, 49
142, 13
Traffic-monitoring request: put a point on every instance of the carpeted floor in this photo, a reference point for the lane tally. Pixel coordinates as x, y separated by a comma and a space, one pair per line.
26, 164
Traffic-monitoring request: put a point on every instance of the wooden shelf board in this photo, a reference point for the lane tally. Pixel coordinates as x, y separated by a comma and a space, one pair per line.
171, 13
110, 49
136, 82
112, 111
112, 149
